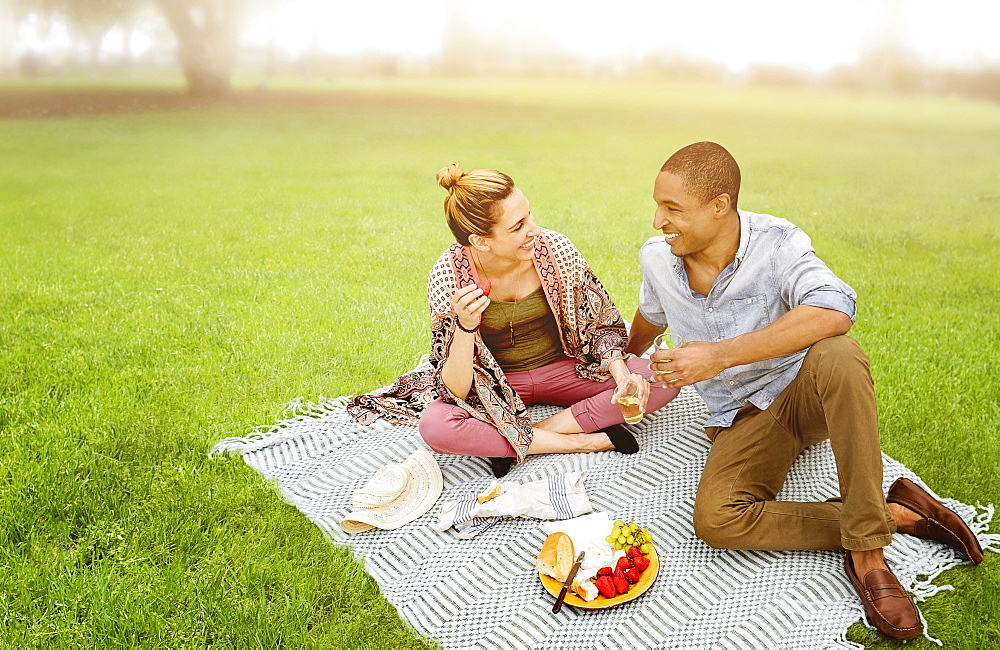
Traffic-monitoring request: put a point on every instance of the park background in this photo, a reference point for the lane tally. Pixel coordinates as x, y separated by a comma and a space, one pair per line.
209, 209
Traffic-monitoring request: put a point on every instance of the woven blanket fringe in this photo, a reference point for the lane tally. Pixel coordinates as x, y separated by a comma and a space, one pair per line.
295, 411
841, 641
981, 524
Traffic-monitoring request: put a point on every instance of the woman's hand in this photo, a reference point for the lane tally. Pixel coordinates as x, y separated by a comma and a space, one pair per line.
624, 378
469, 303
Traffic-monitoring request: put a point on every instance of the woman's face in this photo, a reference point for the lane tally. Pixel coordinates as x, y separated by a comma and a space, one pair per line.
515, 233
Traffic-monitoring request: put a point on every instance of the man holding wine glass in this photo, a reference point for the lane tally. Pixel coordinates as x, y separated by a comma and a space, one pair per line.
763, 323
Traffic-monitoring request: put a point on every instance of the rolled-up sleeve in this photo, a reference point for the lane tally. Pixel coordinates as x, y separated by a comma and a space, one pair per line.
806, 280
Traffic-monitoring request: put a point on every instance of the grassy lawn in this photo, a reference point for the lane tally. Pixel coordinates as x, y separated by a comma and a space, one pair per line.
172, 278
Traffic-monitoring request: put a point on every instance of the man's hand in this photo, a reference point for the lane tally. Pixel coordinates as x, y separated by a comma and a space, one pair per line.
700, 360
692, 362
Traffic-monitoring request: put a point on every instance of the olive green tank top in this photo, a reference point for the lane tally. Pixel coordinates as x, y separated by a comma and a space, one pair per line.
522, 335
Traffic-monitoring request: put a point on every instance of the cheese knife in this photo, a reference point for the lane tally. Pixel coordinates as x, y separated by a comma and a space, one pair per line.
568, 583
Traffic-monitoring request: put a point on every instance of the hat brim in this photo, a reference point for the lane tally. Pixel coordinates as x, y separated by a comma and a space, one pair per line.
427, 484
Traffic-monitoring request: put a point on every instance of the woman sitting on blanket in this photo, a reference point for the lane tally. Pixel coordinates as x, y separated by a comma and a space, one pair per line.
548, 332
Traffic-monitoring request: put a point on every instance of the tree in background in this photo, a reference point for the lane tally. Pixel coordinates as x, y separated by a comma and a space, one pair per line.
88, 21
206, 32
92, 20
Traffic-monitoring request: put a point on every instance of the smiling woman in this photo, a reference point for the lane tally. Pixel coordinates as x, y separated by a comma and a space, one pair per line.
548, 332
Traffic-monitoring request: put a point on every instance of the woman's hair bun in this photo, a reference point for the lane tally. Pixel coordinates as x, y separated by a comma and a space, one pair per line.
448, 176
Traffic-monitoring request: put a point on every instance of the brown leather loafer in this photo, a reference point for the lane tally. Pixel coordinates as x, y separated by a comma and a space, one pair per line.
939, 523
888, 607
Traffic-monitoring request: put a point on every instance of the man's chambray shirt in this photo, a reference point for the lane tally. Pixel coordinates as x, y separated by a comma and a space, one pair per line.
775, 270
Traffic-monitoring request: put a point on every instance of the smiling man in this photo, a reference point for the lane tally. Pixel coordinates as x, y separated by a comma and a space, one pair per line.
764, 323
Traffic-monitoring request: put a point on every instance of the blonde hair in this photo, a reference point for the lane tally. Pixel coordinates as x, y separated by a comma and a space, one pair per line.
471, 206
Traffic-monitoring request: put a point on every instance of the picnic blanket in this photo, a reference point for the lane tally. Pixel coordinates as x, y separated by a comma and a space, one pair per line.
484, 592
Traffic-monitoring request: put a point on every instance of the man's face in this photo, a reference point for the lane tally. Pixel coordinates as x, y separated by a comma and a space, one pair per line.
687, 223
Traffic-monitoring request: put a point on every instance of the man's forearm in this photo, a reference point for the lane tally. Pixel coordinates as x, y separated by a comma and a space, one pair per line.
701, 360
796, 330
641, 334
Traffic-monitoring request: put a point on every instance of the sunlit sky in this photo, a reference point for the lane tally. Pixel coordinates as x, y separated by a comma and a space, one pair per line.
802, 33
809, 34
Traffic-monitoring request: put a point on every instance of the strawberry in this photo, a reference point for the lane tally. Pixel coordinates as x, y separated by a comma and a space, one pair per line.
605, 571
621, 585
485, 285
632, 575
641, 563
606, 585
624, 563
633, 552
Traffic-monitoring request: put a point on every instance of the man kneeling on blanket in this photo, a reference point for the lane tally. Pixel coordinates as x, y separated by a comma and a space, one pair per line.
763, 322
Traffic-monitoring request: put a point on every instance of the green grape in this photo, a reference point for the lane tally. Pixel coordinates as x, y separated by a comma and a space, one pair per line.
645, 548
610, 538
621, 539
619, 523
618, 546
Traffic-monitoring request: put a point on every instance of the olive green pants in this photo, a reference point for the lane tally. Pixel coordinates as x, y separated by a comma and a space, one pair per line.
833, 396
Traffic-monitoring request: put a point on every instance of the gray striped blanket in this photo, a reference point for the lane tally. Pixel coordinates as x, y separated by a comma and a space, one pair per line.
484, 592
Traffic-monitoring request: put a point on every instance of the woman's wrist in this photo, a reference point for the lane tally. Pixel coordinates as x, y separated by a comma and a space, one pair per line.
472, 330
619, 371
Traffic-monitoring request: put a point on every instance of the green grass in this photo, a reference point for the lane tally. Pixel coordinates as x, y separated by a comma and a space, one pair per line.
169, 279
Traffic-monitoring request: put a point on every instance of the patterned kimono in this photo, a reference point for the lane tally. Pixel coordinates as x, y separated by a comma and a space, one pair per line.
590, 328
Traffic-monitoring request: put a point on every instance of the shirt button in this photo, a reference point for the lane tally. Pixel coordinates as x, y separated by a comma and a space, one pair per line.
710, 310
717, 340
749, 300
731, 382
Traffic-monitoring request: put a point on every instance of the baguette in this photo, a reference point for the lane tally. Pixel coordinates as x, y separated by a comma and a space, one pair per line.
585, 589
556, 557
494, 491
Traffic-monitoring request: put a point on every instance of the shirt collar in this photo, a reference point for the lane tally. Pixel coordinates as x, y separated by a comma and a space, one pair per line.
741, 252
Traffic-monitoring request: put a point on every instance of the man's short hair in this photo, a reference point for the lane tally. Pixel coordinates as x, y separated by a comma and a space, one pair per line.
707, 170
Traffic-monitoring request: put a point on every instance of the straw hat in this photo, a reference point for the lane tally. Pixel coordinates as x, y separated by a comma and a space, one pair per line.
396, 494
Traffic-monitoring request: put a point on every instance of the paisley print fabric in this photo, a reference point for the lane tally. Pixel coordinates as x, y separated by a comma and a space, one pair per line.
591, 329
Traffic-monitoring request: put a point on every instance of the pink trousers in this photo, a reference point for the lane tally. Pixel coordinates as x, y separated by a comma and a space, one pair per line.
449, 429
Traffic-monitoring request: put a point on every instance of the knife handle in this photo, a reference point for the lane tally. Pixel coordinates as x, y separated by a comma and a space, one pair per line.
560, 599
568, 581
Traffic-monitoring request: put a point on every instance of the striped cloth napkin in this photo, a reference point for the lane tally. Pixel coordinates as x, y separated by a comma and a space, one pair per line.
560, 496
